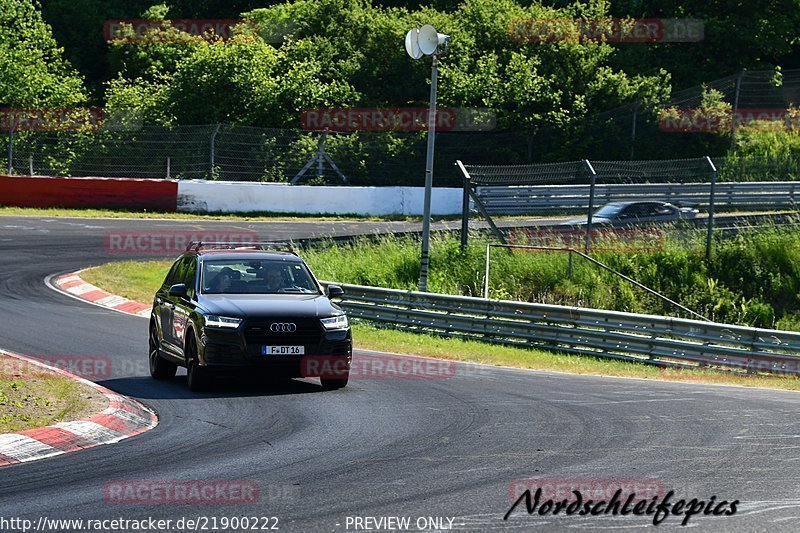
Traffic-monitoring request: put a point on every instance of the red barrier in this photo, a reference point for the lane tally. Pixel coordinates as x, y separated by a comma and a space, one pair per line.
117, 193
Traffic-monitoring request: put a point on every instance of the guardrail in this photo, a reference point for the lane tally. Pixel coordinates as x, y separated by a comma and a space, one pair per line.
646, 338
534, 199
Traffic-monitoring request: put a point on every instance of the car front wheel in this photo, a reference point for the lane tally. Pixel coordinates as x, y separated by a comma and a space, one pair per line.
196, 377
333, 384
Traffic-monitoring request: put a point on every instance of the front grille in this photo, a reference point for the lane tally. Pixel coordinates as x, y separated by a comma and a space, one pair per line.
309, 331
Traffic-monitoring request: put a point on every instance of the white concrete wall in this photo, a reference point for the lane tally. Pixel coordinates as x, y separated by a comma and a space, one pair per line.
231, 197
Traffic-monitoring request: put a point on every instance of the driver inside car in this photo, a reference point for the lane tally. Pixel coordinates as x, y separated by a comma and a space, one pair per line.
273, 276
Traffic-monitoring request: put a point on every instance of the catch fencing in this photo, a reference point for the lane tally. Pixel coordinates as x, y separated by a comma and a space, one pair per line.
650, 339
582, 185
541, 199
242, 153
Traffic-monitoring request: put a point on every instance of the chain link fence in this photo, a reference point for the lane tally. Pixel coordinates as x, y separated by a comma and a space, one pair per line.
243, 153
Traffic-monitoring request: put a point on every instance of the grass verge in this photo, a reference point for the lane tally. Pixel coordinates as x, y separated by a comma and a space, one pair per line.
32, 397
134, 280
252, 216
139, 281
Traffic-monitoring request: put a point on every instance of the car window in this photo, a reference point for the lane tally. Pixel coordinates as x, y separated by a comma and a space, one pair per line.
178, 275
645, 210
609, 210
649, 210
631, 211
172, 275
190, 275
259, 276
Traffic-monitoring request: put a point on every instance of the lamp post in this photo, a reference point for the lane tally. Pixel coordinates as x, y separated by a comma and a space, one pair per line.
426, 41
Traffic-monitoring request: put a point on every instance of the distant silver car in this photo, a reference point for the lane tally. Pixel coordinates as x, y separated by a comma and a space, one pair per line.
629, 213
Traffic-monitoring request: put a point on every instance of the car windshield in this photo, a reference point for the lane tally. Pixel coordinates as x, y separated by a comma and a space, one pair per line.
609, 210
256, 276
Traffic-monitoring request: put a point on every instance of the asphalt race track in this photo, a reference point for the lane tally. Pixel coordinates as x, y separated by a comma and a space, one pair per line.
409, 447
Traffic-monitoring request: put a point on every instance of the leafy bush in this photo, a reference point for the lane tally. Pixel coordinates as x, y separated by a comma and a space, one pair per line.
753, 279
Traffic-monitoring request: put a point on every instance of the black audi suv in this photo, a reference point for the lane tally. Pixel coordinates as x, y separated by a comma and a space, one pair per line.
226, 310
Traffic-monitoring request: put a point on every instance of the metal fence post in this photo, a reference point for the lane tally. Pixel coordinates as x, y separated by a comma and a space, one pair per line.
710, 232
320, 159
30, 165
569, 270
10, 152
735, 109
592, 180
633, 129
479, 205
465, 214
486, 276
213, 138
168, 169
424, 262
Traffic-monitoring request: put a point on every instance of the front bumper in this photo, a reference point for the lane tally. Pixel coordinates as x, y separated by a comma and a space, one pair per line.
235, 350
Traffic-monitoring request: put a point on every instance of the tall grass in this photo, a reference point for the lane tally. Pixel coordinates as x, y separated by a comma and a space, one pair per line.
753, 278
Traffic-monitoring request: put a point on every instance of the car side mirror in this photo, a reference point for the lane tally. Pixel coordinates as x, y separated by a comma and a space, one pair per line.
179, 290
335, 291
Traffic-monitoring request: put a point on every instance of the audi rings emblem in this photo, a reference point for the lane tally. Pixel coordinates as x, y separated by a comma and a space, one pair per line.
283, 327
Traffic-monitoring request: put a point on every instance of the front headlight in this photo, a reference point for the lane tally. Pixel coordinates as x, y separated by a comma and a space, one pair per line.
222, 321
335, 322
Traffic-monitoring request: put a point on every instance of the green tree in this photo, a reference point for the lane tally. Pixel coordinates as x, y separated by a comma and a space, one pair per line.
348, 52
737, 35
33, 72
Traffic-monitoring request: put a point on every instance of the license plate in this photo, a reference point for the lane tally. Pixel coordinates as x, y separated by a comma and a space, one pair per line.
282, 350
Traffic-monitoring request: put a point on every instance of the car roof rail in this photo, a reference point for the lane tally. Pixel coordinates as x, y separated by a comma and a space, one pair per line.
277, 246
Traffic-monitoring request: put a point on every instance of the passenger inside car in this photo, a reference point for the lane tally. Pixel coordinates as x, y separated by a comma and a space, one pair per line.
225, 281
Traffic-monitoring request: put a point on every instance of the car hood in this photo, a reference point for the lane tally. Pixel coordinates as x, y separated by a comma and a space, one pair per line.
268, 305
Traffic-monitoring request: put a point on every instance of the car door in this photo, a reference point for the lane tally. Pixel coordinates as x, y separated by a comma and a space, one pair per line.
168, 322
184, 306
649, 212
668, 212
630, 215
163, 306
658, 212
